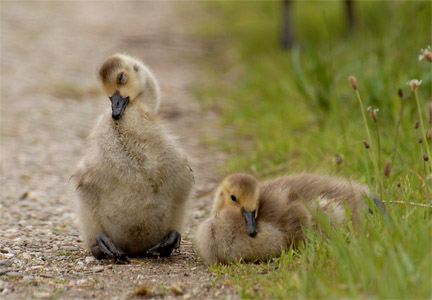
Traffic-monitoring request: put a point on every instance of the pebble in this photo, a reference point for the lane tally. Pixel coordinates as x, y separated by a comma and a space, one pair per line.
4, 271
186, 296
69, 248
28, 278
5, 262
176, 289
41, 295
30, 195
14, 274
97, 269
89, 259
9, 255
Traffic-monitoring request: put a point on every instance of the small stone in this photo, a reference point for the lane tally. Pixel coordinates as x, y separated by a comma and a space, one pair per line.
24, 195
5, 262
9, 255
26, 256
29, 195
89, 259
4, 271
97, 269
41, 295
69, 248
196, 215
176, 289
186, 296
14, 274
4, 251
28, 278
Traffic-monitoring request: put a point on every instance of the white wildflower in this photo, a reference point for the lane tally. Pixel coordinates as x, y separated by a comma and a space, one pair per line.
414, 84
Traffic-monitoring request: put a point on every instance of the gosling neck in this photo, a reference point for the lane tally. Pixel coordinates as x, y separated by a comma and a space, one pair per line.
149, 98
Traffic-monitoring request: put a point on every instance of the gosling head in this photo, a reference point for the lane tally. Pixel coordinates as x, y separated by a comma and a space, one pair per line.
239, 192
126, 80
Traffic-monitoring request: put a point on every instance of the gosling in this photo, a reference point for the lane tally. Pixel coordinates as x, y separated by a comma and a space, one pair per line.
134, 180
257, 220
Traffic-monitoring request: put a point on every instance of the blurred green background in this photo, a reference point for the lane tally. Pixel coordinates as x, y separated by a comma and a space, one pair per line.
296, 107
294, 110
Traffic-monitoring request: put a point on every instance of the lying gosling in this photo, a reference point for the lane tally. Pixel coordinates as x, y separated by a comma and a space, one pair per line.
253, 220
134, 180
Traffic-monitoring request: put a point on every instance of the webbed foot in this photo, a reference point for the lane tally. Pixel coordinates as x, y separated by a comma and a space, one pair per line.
165, 247
105, 247
382, 209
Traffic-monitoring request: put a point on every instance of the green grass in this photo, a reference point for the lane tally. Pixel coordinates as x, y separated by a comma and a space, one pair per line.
289, 111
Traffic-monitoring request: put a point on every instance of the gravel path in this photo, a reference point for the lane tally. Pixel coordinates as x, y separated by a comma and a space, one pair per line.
50, 98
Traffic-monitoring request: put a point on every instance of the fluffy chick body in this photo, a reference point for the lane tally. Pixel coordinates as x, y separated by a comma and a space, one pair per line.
134, 180
283, 207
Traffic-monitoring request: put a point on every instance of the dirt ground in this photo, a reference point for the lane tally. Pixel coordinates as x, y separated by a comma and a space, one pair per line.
50, 98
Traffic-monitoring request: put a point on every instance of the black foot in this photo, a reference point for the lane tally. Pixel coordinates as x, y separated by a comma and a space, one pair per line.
380, 205
167, 245
105, 247
381, 209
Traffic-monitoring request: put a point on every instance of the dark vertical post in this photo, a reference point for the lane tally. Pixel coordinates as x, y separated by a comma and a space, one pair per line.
350, 14
287, 32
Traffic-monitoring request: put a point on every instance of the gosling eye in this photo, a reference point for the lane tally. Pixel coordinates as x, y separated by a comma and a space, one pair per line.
122, 78
233, 198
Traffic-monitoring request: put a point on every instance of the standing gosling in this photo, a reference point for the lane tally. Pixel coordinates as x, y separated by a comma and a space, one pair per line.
253, 220
134, 180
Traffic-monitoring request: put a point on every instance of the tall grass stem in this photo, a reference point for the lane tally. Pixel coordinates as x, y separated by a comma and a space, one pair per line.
397, 133
422, 129
379, 147
374, 160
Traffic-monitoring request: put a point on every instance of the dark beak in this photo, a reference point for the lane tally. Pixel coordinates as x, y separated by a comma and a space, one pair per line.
250, 222
118, 105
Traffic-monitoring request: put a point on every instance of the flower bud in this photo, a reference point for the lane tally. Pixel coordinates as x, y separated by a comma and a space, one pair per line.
353, 82
373, 114
387, 169
425, 157
420, 140
400, 93
414, 84
366, 144
416, 124
426, 53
